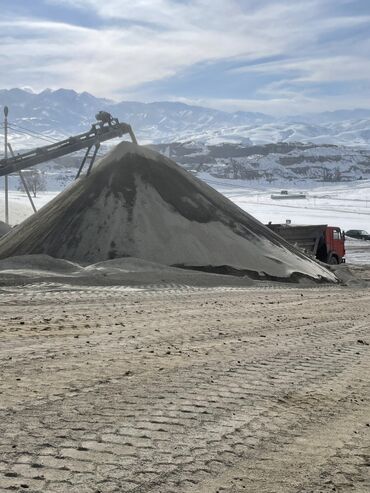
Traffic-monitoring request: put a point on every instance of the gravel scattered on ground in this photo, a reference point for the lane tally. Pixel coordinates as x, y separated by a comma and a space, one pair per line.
184, 389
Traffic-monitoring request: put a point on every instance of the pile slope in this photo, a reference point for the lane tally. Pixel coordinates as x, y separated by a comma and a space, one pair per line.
4, 228
138, 203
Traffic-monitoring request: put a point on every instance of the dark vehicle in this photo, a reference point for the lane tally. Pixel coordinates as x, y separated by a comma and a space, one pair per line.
360, 234
325, 243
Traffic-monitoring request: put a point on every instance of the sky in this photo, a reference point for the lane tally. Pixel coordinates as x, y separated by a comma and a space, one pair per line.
275, 56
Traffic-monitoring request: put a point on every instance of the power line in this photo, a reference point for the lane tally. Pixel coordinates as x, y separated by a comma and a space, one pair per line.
36, 132
18, 132
32, 133
46, 139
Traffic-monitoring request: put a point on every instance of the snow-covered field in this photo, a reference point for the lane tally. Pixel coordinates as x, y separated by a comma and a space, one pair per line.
357, 251
346, 205
19, 205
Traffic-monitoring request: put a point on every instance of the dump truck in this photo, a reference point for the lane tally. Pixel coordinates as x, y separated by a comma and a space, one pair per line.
325, 243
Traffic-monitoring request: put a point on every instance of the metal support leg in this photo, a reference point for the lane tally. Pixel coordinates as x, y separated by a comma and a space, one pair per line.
93, 159
83, 162
6, 184
24, 183
132, 135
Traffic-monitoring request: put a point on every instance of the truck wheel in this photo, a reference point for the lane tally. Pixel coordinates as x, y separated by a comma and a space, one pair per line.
333, 260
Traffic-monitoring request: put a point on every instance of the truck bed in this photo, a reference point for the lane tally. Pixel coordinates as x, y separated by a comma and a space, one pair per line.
304, 237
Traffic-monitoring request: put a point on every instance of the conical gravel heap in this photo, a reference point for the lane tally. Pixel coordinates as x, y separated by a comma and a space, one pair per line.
137, 203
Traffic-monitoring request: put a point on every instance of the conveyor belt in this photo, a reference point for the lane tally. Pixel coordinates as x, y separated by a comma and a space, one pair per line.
97, 134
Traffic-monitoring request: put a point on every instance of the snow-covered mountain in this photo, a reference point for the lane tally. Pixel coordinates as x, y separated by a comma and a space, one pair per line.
65, 112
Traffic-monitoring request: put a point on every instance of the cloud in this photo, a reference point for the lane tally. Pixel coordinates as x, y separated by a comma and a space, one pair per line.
107, 60
114, 58
134, 44
321, 69
278, 105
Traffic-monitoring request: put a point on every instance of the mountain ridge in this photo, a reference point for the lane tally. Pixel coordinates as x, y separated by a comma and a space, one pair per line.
65, 111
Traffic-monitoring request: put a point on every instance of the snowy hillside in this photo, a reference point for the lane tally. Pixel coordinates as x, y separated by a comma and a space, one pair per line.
272, 162
282, 164
64, 112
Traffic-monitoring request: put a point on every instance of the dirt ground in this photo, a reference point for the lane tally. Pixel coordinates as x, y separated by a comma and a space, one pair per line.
184, 390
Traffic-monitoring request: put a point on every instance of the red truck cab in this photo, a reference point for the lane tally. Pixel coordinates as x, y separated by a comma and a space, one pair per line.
335, 249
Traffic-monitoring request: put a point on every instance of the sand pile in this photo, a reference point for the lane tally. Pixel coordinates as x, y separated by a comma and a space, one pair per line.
137, 203
4, 228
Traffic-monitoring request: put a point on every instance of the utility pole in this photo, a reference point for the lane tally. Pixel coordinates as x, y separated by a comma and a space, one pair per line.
6, 111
